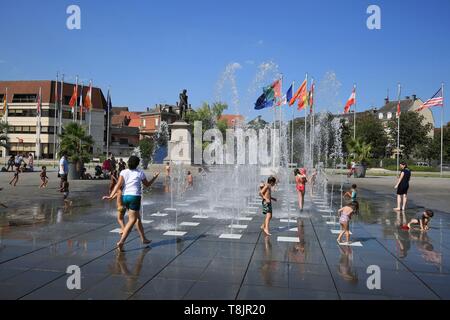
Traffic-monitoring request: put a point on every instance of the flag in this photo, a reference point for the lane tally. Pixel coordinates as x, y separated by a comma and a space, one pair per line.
73, 99
38, 103
298, 93
108, 106
88, 99
398, 109
277, 88
289, 94
311, 97
262, 102
5, 103
435, 101
351, 101
282, 101
56, 92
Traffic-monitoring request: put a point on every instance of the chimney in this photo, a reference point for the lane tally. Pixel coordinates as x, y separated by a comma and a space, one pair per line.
407, 98
386, 100
414, 97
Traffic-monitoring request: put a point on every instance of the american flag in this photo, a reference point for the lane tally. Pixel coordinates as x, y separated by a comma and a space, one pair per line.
436, 101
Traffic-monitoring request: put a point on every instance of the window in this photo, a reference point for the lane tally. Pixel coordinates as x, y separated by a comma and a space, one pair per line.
2, 96
143, 123
25, 98
156, 122
123, 141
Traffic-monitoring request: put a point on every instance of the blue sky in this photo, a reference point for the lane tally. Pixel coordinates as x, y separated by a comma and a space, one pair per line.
148, 51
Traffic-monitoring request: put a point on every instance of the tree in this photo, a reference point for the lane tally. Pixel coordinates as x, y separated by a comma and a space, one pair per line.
371, 131
76, 143
145, 151
4, 140
209, 116
360, 150
413, 133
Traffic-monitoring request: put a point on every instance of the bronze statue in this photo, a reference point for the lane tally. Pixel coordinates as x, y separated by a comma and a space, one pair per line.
183, 104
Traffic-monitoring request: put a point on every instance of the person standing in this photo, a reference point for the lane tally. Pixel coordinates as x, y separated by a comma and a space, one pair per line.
63, 168
266, 195
300, 182
31, 162
130, 182
402, 186
122, 165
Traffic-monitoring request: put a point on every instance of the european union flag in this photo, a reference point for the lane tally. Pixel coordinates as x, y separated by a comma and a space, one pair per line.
262, 102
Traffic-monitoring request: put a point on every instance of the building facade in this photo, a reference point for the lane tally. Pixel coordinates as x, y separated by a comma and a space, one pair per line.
21, 116
152, 118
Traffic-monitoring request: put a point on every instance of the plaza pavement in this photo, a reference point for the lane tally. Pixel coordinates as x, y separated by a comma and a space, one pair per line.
39, 239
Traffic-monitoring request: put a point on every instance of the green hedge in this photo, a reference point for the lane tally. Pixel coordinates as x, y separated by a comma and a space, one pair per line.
414, 168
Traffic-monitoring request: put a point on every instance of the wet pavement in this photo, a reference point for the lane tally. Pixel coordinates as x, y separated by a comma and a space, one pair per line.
301, 260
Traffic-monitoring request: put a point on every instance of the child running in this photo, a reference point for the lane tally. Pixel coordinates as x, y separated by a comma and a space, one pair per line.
44, 177
15, 179
266, 195
345, 214
130, 181
422, 219
120, 208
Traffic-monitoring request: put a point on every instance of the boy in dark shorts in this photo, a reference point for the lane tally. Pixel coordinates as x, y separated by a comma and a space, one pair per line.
65, 190
44, 178
266, 195
15, 179
422, 219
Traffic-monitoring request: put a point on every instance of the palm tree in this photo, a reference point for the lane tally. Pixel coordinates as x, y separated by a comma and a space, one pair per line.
4, 140
360, 150
76, 143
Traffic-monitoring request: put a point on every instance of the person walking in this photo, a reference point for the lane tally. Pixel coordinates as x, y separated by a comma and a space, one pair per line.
402, 186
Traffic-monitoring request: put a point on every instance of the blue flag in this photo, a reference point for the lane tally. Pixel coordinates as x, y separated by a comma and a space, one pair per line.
262, 102
289, 94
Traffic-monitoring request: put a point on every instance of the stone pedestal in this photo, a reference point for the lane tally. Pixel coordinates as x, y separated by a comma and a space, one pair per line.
180, 144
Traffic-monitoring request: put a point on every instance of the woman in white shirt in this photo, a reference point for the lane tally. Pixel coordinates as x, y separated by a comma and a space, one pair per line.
130, 181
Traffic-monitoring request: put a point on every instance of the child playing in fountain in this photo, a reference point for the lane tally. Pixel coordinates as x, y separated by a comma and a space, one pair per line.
422, 219
44, 177
65, 190
130, 181
120, 208
352, 193
15, 179
345, 214
189, 181
266, 194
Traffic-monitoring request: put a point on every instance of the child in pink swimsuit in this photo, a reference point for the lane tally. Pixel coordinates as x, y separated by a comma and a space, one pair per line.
345, 214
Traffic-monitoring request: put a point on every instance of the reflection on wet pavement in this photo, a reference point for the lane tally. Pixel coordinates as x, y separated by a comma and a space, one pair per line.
38, 243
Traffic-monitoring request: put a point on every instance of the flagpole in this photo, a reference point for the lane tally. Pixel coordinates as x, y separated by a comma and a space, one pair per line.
310, 123
61, 102
304, 106
292, 129
107, 129
442, 127
398, 128
38, 136
81, 104
5, 116
354, 115
90, 107
55, 117
75, 109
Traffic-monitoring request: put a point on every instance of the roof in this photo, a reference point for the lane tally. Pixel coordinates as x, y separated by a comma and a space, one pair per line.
117, 110
231, 118
126, 119
48, 90
391, 106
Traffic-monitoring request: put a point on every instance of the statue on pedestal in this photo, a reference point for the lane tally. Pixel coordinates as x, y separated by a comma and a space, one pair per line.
183, 104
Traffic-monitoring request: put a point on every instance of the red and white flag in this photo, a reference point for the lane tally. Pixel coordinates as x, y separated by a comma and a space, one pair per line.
398, 109
73, 99
38, 103
435, 101
351, 101
88, 98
